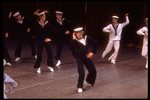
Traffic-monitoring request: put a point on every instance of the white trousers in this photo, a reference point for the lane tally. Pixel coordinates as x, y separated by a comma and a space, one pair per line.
145, 52
111, 43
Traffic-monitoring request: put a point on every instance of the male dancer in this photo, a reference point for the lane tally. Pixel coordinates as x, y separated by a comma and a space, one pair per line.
22, 26
63, 28
81, 42
114, 30
43, 36
6, 56
144, 31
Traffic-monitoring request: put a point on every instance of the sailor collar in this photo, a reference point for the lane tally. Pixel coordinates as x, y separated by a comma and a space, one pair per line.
21, 22
60, 22
44, 23
82, 41
115, 28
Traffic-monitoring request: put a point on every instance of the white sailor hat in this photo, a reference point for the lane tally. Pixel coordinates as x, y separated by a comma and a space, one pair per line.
59, 12
78, 29
146, 19
40, 14
115, 17
16, 14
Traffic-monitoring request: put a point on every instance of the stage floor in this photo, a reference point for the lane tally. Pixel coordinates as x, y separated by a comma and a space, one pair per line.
127, 79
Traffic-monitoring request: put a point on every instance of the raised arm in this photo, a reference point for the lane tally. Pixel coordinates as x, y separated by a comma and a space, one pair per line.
127, 20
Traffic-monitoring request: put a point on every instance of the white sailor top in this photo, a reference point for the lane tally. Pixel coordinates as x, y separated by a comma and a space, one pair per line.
115, 31
143, 31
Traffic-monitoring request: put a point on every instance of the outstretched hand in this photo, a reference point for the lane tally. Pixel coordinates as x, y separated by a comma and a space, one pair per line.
126, 14
36, 12
47, 39
89, 55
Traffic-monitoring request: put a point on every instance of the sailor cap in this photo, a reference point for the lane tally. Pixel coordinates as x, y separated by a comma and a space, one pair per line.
59, 12
16, 14
78, 29
115, 17
146, 19
42, 13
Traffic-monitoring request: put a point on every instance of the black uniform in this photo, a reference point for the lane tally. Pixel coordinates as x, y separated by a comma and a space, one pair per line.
6, 55
42, 32
61, 37
21, 31
81, 56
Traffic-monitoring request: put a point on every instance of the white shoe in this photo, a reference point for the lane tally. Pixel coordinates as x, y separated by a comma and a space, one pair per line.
51, 69
4, 62
113, 61
35, 56
146, 66
58, 63
17, 59
39, 70
80, 90
8, 64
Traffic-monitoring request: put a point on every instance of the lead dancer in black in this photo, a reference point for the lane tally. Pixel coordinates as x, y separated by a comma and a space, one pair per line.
81, 42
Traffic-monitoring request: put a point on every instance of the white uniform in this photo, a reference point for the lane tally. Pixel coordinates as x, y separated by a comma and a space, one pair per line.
144, 53
114, 39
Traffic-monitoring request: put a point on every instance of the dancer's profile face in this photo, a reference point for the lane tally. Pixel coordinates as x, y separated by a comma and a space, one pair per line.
80, 34
146, 22
114, 20
58, 16
18, 18
43, 17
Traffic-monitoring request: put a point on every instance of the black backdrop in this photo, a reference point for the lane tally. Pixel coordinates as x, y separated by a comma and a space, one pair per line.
98, 15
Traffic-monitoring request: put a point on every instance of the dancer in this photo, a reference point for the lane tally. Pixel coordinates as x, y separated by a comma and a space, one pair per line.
81, 42
43, 32
22, 26
6, 56
114, 30
13, 84
63, 28
144, 31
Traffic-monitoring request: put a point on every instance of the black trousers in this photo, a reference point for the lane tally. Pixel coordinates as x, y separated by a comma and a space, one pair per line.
40, 45
91, 71
20, 44
59, 48
6, 55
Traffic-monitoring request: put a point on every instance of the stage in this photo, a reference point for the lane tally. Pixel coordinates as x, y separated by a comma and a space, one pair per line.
128, 79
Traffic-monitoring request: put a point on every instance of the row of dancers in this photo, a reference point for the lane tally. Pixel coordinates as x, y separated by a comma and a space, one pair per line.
44, 33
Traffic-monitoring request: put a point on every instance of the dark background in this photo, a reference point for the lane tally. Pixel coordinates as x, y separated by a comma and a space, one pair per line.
93, 15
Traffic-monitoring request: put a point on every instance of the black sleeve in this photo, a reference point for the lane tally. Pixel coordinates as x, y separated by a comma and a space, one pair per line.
69, 25
29, 22
95, 43
73, 49
33, 25
5, 27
